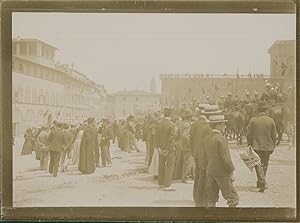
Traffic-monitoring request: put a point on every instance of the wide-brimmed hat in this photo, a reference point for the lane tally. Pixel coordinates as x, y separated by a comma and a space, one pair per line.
217, 118
212, 110
263, 105
187, 113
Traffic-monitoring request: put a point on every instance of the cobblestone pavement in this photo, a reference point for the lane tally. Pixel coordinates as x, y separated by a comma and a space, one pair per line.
127, 183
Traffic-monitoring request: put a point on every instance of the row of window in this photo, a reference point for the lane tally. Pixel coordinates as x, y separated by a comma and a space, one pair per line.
37, 96
36, 70
31, 49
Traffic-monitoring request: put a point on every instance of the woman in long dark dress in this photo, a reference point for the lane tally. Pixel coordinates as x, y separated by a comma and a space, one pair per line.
88, 147
28, 144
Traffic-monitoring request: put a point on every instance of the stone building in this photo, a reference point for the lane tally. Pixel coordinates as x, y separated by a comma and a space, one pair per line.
134, 102
179, 89
283, 62
44, 90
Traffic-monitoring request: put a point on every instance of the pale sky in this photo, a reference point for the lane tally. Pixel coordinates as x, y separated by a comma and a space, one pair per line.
124, 51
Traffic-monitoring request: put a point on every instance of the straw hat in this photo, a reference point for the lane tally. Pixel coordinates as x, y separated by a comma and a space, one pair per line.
212, 110
217, 119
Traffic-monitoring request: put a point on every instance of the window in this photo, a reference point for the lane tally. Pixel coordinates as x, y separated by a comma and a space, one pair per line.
28, 69
27, 95
34, 96
42, 74
124, 98
47, 98
41, 96
32, 49
34, 71
47, 74
43, 51
53, 99
23, 49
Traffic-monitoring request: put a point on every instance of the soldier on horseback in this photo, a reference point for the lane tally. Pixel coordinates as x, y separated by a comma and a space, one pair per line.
268, 95
247, 99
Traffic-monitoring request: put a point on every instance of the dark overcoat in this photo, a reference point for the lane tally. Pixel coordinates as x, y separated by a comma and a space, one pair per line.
218, 157
199, 130
88, 146
261, 133
56, 139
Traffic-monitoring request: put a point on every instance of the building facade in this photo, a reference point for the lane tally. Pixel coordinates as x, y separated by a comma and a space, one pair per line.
182, 89
44, 90
134, 102
283, 62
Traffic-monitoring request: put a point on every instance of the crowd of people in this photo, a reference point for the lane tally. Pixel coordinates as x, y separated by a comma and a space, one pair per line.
188, 144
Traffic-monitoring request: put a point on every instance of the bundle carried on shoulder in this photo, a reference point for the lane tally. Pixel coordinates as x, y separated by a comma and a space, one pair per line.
250, 158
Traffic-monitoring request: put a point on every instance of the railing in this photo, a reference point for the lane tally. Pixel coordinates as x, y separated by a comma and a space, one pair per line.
199, 76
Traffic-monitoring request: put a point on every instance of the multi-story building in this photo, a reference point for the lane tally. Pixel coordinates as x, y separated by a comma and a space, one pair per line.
184, 88
179, 89
283, 62
135, 102
44, 90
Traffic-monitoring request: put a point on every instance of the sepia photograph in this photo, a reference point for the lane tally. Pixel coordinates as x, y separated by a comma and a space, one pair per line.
154, 110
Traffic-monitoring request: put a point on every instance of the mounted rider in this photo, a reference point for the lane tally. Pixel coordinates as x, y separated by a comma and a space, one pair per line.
229, 101
247, 99
256, 97
268, 95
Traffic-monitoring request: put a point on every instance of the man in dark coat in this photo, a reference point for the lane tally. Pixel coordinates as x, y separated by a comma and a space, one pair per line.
106, 132
199, 130
88, 147
166, 142
56, 141
261, 135
68, 141
219, 172
184, 144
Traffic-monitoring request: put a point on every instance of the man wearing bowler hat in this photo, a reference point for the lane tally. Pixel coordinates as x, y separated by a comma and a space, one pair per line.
261, 135
166, 147
199, 130
219, 172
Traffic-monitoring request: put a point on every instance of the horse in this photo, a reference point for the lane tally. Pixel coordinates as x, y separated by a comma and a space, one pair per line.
239, 124
281, 115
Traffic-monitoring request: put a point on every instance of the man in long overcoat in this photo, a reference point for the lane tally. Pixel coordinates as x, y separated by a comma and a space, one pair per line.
199, 130
219, 172
88, 146
184, 144
167, 146
56, 140
261, 135
106, 135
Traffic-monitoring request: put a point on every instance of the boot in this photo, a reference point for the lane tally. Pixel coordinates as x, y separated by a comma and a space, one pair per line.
261, 178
